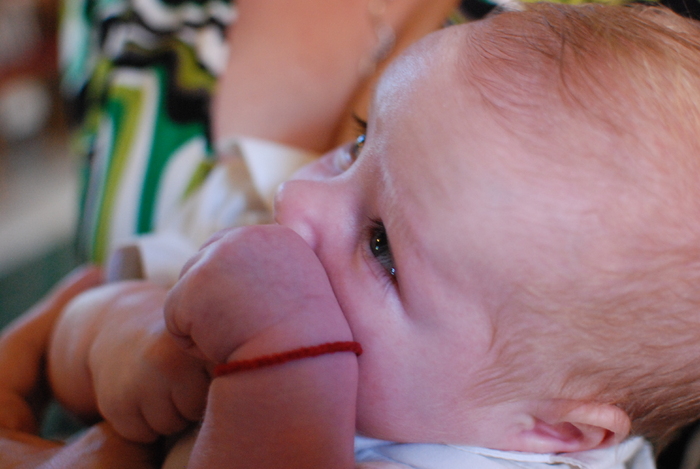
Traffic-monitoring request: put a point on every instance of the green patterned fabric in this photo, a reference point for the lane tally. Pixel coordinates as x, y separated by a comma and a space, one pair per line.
141, 72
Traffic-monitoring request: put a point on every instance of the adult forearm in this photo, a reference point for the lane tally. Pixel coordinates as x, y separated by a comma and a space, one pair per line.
293, 68
297, 71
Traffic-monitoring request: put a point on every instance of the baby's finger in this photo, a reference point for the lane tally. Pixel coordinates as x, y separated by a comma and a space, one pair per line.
162, 416
131, 424
123, 409
216, 236
194, 259
190, 262
190, 397
178, 322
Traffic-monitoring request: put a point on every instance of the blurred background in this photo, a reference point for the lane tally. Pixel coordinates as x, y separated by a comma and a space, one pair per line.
38, 175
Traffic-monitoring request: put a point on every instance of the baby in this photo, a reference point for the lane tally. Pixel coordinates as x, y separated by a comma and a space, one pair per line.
514, 247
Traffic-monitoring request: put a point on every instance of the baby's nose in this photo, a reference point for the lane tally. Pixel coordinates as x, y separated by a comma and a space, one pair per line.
328, 166
298, 205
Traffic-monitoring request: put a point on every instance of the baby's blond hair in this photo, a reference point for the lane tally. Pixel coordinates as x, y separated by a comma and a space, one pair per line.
626, 79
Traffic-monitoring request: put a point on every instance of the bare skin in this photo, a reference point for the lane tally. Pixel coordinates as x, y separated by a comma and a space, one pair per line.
111, 357
323, 81
225, 309
23, 345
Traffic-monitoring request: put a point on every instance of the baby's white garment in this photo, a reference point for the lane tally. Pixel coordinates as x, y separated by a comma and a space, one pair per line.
633, 453
238, 191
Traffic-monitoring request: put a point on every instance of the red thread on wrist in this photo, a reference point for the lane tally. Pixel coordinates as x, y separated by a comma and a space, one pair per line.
284, 357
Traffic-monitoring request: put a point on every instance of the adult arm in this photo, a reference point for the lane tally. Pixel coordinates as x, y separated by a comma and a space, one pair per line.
297, 70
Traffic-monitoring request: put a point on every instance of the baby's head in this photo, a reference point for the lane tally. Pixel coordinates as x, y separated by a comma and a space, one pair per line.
517, 245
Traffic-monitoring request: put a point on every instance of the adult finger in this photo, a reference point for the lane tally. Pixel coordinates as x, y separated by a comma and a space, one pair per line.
100, 447
23, 345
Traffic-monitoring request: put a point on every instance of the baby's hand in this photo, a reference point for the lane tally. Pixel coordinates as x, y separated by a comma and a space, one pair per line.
112, 353
258, 286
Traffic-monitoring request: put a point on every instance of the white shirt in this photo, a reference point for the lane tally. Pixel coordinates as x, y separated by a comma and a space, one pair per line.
633, 453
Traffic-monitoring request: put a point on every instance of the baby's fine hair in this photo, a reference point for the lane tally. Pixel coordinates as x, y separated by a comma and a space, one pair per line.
632, 75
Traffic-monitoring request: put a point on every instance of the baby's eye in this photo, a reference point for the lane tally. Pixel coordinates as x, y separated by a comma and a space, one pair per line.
379, 245
356, 147
345, 157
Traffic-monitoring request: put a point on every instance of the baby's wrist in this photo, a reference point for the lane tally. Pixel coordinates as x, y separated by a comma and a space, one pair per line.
301, 353
285, 337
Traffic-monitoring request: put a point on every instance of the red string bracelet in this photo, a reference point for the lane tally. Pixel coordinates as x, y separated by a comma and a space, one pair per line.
284, 357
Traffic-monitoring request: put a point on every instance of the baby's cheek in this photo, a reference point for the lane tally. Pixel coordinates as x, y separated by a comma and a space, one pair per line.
373, 417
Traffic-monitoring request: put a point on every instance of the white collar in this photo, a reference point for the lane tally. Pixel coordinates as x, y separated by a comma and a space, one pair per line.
633, 453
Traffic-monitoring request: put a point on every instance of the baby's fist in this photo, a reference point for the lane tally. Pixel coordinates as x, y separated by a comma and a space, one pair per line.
257, 282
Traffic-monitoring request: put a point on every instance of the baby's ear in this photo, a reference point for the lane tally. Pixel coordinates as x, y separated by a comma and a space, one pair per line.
570, 426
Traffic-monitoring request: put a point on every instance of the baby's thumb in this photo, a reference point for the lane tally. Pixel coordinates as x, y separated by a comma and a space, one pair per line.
179, 324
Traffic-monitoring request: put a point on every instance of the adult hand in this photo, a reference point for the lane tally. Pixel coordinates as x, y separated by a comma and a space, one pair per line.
23, 345
112, 356
100, 447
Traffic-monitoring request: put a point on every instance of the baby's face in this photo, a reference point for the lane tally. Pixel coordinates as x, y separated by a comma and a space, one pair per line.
424, 231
